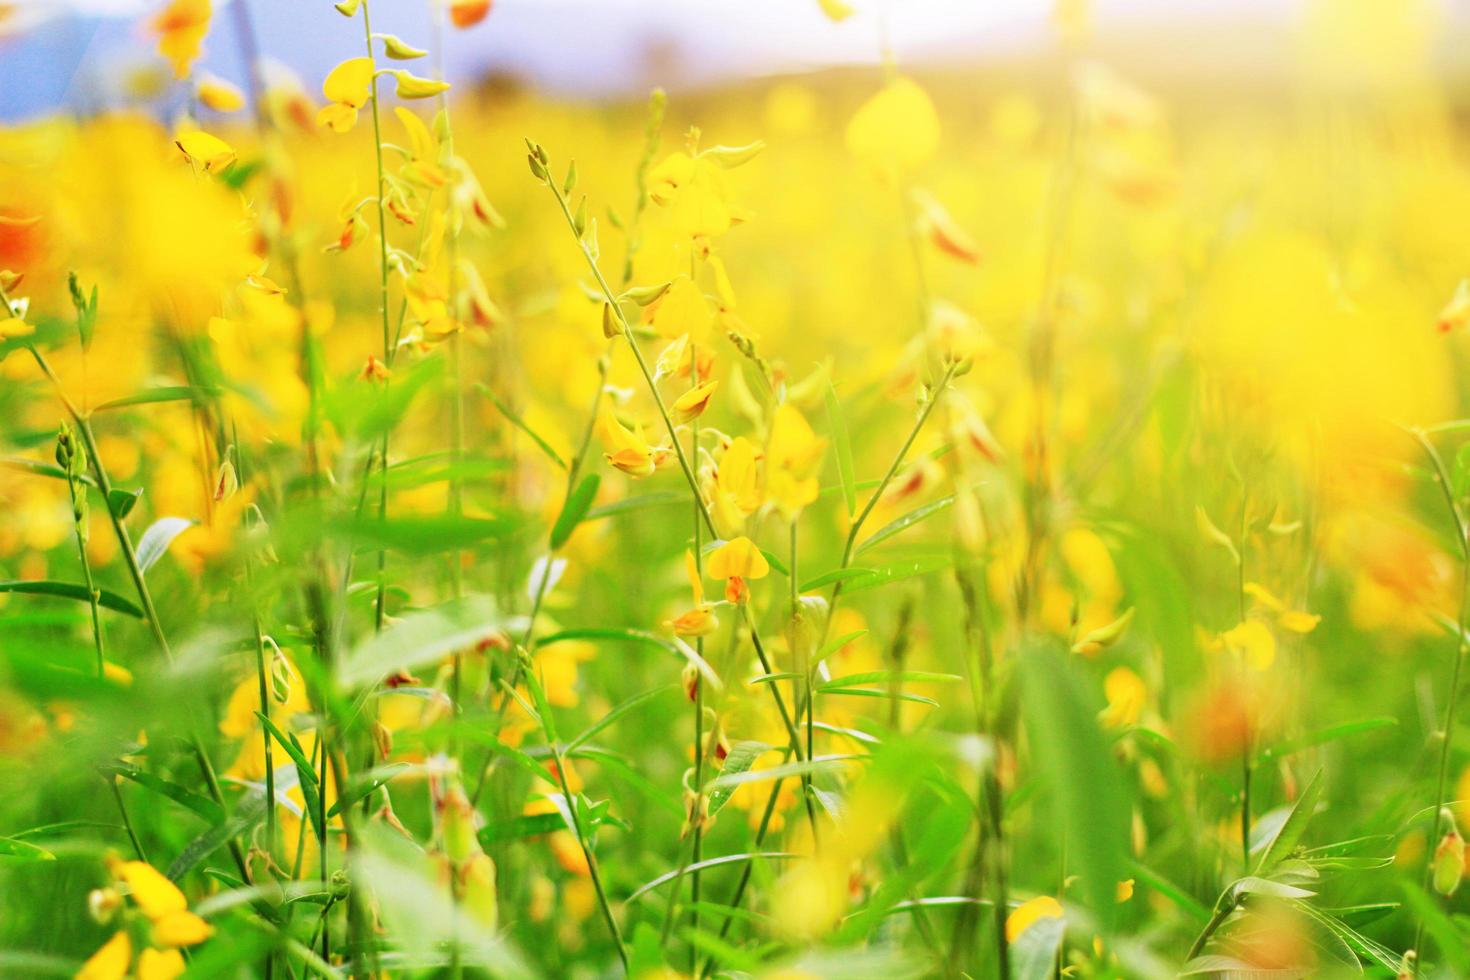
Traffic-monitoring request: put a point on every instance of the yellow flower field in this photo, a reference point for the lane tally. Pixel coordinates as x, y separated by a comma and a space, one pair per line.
889, 521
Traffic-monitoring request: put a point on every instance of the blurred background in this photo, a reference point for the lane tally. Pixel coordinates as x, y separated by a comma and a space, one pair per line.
69, 54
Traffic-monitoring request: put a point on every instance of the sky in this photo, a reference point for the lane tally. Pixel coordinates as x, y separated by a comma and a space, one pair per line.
581, 48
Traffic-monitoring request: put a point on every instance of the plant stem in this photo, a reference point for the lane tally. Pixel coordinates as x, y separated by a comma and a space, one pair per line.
1441, 476
135, 572
367, 28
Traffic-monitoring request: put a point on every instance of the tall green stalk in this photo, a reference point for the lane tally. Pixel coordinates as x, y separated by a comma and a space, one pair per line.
1446, 735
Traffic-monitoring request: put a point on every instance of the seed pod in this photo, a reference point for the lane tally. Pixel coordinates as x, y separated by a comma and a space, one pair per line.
1449, 862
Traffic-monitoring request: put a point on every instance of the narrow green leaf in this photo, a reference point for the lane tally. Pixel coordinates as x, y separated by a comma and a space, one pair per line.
367, 785
898, 571
1286, 839
889, 677
836, 575
150, 396
900, 524
528, 826
843, 446
1075, 759
70, 590
632, 704
574, 510
516, 421
716, 862
1323, 736
12, 848
187, 798
304, 772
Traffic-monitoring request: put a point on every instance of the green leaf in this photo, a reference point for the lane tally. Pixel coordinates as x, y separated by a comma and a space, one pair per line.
528, 826
155, 541
421, 535
1285, 840
12, 848
151, 396
860, 692
898, 571
41, 469
1090, 808
1322, 736
658, 498
715, 862
516, 421
836, 575
633, 703
419, 638
843, 446
832, 646
122, 502
1034, 953
1449, 939
900, 524
366, 785
889, 677
70, 590
742, 757
574, 510
1182, 899
304, 773
187, 798
609, 633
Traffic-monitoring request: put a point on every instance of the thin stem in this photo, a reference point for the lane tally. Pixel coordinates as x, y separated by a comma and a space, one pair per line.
135, 572
1245, 755
367, 28
573, 470
628, 334
1441, 476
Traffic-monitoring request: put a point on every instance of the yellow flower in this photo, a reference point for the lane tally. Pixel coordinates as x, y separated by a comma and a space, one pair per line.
627, 449
1456, 313
217, 94
181, 27
695, 191
896, 131
160, 964
110, 962
14, 326
692, 403
1253, 642
411, 86
1126, 694
682, 310
735, 491
1030, 913
1291, 620
211, 153
422, 166
347, 88
739, 558
151, 891
792, 456
701, 620
182, 928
